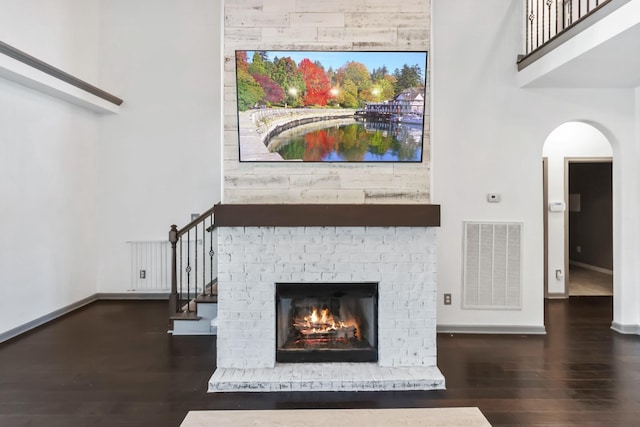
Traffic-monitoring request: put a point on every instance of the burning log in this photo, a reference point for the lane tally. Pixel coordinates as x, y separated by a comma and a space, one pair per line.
345, 333
323, 326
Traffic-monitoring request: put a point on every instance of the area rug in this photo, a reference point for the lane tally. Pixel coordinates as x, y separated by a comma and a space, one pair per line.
432, 417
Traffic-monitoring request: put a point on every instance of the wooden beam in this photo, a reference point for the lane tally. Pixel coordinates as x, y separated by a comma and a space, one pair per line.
316, 215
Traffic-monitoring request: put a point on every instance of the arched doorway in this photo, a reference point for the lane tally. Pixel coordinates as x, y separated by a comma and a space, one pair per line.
578, 211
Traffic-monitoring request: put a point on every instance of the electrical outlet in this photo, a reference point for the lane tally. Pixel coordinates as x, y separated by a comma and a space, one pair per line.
494, 197
143, 274
447, 299
579, 249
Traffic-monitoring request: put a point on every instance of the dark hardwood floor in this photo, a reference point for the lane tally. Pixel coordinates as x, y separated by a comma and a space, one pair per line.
113, 364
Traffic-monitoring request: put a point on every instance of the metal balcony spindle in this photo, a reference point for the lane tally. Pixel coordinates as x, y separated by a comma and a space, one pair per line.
181, 281
570, 13
537, 15
557, 15
545, 18
549, 3
204, 265
531, 17
195, 254
211, 254
188, 270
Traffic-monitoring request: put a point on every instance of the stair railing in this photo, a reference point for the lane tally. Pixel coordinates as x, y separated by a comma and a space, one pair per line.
192, 264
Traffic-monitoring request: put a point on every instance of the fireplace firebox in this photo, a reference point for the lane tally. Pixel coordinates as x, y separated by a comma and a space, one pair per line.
328, 322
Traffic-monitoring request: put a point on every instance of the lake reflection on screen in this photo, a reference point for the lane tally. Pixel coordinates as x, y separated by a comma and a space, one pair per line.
349, 140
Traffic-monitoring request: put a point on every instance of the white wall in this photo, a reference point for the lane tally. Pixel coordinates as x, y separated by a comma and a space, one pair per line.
159, 159
487, 136
627, 269
573, 139
48, 160
63, 33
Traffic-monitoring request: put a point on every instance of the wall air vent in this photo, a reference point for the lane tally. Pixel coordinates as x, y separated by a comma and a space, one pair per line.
492, 265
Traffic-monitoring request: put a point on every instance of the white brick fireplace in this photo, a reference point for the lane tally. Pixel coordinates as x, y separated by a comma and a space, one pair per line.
397, 254
253, 259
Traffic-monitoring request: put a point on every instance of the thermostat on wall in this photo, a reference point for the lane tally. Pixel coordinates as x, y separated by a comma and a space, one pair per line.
557, 206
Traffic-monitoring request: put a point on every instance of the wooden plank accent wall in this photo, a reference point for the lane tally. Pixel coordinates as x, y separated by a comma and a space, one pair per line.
322, 25
333, 215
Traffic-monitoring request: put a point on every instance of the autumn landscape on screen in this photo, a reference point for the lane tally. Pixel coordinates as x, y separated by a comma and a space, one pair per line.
331, 106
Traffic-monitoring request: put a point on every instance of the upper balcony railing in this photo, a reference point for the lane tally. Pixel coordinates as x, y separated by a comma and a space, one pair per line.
547, 19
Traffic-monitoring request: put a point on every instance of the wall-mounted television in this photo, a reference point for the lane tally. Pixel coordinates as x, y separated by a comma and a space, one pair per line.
328, 106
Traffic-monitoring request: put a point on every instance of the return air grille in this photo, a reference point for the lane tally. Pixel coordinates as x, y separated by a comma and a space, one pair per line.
492, 265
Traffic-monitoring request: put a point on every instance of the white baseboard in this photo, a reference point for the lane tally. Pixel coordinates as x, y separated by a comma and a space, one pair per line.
491, 329
625, 329
591, 267
133, 296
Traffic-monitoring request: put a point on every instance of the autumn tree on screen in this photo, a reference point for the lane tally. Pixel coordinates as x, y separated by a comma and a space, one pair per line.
316, 83
285, 72
273, 93
348, 95
387, 84
249, 91
357, 72
355, 81
241, 61
257, 65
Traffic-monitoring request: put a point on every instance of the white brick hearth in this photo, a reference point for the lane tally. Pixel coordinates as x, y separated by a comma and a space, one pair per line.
401, 260
326, 377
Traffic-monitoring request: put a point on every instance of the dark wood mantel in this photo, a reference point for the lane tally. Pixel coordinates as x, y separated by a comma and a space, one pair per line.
316, 215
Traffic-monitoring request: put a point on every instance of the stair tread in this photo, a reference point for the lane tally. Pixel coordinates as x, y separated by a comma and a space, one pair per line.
207, 298
184, 315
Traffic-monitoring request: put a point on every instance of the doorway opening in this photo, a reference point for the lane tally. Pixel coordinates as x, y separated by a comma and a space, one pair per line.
578, 220
590, 219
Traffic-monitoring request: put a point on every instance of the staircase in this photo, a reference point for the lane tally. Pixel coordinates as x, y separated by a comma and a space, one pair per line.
193, 302
199, 316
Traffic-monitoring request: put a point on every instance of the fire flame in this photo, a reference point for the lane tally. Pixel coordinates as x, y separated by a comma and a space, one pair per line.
322, 321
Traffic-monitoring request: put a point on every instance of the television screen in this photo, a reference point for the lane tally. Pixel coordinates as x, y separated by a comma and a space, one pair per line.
313, 106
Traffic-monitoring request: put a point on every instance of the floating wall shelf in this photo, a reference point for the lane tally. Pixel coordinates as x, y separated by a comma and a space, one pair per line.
24, 69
